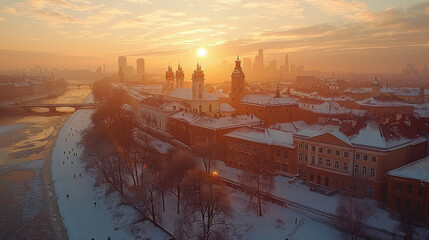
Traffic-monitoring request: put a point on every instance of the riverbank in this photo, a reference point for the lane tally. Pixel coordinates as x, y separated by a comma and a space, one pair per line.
87, 211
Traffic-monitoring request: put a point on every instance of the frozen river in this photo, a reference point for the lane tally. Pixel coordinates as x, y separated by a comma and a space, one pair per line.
27, 205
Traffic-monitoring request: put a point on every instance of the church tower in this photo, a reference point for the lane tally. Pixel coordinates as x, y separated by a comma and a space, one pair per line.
169, 77
180, 77
375, 88
197, 83
237, 82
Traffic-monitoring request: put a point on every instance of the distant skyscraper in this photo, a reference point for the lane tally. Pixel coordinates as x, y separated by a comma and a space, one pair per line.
140, 67
247, 65
258, 67
122, 63
287, 64
273, 65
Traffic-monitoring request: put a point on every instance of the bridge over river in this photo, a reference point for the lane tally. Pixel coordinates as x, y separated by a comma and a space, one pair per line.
51, 107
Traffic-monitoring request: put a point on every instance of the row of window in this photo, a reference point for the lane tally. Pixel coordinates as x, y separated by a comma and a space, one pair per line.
337, 152
409, 189
337, 165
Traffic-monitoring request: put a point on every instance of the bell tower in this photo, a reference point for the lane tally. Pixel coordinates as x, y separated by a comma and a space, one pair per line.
237, 82
198, 83
169, 77
180, 77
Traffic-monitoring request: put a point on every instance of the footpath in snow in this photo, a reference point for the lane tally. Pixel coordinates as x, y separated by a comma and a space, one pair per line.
86, 211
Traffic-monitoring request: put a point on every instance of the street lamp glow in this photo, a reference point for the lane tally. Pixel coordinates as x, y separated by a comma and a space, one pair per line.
201, 52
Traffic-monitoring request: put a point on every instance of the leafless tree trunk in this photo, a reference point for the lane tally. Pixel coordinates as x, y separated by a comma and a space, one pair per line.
206, 149
258, 177
207, 204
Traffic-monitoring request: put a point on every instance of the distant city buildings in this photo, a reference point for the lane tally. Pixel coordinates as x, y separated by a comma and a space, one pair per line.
140, 68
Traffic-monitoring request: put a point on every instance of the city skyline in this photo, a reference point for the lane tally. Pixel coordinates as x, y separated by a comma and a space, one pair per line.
322, 35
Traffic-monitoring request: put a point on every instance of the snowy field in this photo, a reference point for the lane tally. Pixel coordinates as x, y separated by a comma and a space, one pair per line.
300, 193
81, 217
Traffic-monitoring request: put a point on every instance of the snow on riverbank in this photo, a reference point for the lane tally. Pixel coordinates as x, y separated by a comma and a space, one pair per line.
81, 217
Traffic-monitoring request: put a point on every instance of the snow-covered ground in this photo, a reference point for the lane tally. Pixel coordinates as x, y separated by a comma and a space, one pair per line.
300, 193
81, 217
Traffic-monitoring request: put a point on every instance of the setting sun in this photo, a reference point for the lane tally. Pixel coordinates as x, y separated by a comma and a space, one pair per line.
201, 52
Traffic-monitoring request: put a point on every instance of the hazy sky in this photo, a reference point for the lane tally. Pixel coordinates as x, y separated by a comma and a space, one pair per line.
370, 36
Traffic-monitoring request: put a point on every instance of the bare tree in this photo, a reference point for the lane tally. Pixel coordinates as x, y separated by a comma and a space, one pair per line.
207, 151
352, 211
258, 177
207, 205
180, 163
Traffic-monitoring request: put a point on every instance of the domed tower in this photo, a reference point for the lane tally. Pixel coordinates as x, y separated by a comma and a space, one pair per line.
180, 77
197, 83
169, 77
237, 82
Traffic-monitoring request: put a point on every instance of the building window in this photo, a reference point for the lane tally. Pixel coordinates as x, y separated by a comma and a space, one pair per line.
320, 161
285, 167
328, 163
408, 204
364, 170
278, 154
306, 158
337, 165
345, 166
285, 154
241, 145
346, 154
372, 172
399, 187
313, 160
313, 148
320, 150
230, 143
374, 159
300, 157
200, 96
398, 202
300, 145
365, 157
328, 151
236, 145
210, 108
420, 191
337, 153
370, 191
357, 156
199, 85
409, 189
248, 147
356, 169
306, 146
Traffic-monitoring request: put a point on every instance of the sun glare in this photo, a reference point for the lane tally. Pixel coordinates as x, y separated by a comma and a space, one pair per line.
201, 52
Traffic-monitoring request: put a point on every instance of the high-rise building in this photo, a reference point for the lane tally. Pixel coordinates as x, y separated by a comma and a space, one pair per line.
237, 82
258, 67
247, 65
122, 63
287, 64
140, 68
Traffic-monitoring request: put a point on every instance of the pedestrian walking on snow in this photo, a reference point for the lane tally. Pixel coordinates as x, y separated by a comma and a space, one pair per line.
74, 176
95, 204
68, 196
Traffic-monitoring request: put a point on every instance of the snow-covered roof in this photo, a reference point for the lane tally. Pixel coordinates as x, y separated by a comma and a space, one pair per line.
186, 116
316, 130
225, 107
418, 170
226, 122
359, 90
127, 107
382, 103
219, 94
328, 108
267, 100
359, 113
290, 126
422, 113
186, 94
263, 135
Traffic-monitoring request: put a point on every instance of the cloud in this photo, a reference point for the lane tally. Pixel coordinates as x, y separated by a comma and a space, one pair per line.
8, 10
158, 19
2, 19
275, 8
339, 7
139, 1
57, 13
